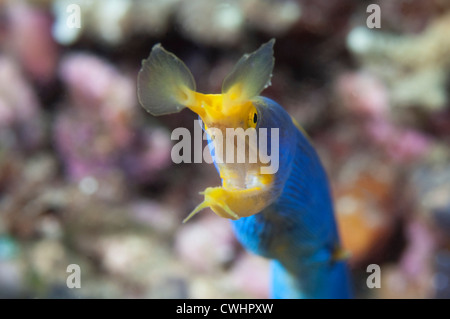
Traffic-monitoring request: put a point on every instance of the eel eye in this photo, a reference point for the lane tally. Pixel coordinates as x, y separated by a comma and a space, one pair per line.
252, 119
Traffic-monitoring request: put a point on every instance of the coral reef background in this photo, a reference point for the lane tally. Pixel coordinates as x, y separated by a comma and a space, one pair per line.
86, 176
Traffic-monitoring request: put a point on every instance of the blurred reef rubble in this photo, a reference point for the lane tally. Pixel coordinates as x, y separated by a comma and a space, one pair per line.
86, 176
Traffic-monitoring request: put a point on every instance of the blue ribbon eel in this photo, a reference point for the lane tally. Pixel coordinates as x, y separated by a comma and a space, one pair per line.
281, 209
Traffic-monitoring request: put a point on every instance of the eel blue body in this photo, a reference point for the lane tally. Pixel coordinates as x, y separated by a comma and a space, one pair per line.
286, 216
298, 231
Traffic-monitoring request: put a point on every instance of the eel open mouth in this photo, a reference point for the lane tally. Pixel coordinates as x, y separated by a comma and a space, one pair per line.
244, 192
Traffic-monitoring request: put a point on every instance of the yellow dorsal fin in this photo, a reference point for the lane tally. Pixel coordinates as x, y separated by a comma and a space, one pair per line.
165, 84
300, 128
250, 75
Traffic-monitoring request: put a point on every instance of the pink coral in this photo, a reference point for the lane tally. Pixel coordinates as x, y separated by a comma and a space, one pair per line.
206, 244
400, 144
31, 40
422, 243
251, 274
19, 105
97, 133
363, 93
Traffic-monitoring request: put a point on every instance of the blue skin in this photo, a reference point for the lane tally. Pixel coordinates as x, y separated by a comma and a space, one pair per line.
298, 230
